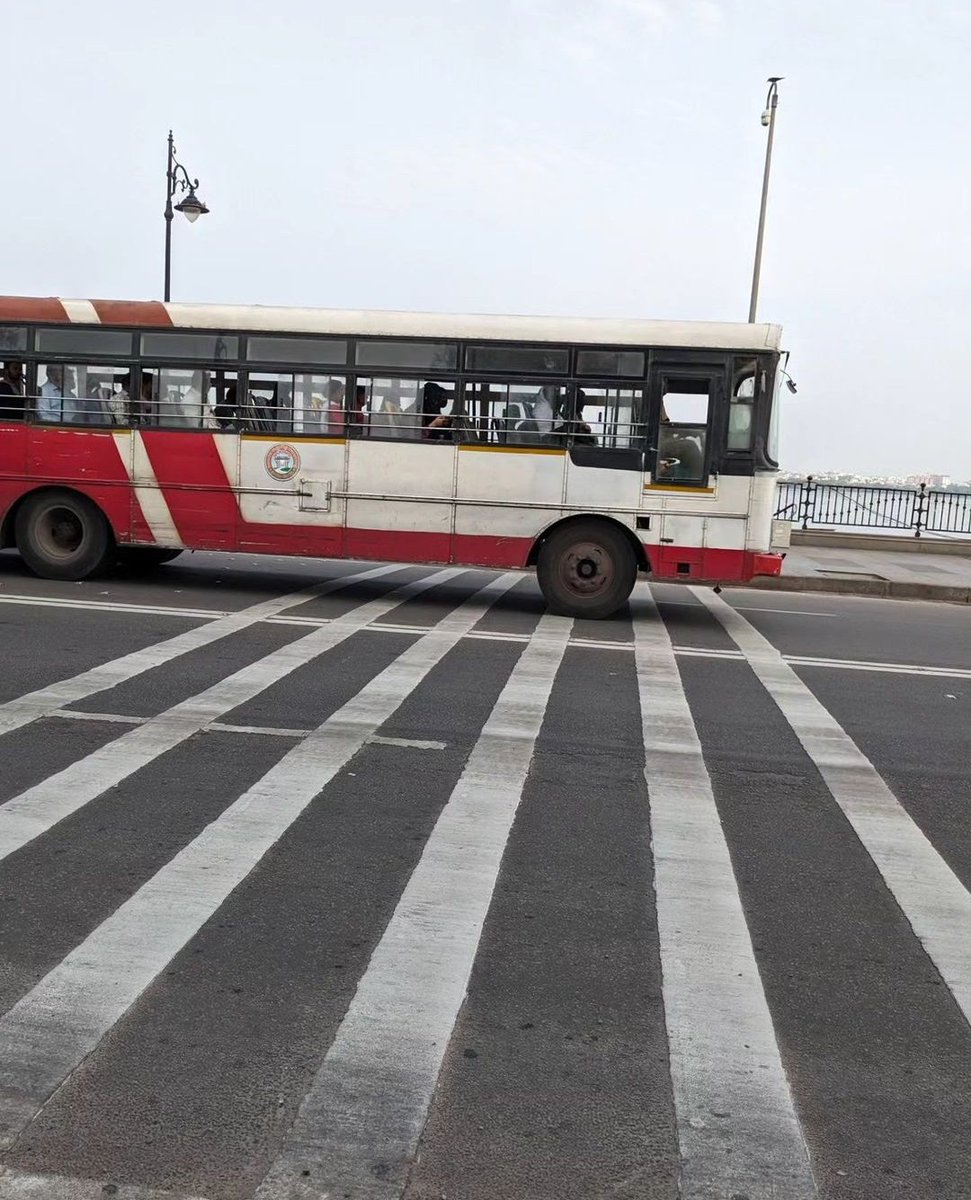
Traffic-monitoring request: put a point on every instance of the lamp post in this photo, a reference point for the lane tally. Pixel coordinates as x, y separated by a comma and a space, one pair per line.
177, 178
768, 118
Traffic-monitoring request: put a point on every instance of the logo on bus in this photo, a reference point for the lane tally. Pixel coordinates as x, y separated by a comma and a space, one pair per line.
282, 462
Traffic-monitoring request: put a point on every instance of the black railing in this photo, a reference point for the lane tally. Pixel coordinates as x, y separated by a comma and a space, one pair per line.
914, 510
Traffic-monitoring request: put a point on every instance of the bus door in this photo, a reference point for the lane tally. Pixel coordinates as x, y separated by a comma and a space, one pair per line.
678, 485
292, 450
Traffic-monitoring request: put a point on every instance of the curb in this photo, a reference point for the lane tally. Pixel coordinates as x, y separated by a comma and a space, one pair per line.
887, 589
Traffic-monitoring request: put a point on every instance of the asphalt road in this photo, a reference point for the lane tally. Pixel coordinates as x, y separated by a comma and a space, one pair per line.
339, 880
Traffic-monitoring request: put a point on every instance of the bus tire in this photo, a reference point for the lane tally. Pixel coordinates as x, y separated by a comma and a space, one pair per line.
144, 558
62, 535
586, 569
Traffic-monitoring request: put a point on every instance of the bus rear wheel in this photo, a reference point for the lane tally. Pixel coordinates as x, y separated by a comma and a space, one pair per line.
62, 535
586, 569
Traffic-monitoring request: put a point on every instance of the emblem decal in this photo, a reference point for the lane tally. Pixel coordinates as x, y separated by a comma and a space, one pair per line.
281, 461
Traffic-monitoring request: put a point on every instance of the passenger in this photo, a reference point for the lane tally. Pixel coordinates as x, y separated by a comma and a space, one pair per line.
118, 403
358, 414
436, 425
58, 399
186, 411
226, 413
333, 417
546, 407
12, 407
574, 431
141, 410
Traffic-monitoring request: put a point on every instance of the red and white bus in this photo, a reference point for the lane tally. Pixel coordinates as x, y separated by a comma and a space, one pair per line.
590, 449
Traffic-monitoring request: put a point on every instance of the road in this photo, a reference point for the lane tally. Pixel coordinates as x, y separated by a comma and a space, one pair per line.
344, 880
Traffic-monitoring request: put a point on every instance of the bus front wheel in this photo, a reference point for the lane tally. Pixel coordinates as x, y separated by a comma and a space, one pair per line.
62, 535
586, 569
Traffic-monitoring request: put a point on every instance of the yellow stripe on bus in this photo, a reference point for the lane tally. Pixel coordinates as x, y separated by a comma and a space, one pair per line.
293, 437
678, 490
512, 449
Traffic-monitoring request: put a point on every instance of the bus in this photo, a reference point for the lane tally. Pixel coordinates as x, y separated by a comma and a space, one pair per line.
590, 450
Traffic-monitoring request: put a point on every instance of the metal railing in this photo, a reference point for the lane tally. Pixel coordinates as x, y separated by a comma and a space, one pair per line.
916, 510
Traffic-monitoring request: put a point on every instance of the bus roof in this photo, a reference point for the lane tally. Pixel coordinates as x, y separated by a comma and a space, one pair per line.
609, 331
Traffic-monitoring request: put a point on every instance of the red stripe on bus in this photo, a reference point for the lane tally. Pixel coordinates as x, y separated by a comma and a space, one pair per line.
132, 312
704, 564
193, 480
31, 308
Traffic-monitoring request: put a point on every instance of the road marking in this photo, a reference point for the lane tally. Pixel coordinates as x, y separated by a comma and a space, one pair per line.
36, 810
586, 643
222, 727
796, 612
369, 1100
737, 1127
34, 705
928, 892
408, 743
118, 606
22, 1185
51, 1029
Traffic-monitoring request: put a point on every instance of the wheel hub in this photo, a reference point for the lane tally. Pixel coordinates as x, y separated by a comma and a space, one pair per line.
60, 532
586, 569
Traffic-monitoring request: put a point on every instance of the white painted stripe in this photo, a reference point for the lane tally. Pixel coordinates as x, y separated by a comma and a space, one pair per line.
81, 311
272, 730
737, 1127
928, 892
150, 497
117, 606
33, 812
22, 1185
222, 727
369, 1100
40, 703
73, 714
408, 743
793, 612
54, 1027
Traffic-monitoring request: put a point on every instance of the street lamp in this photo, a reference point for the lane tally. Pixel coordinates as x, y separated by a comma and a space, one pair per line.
768, 118
177, 177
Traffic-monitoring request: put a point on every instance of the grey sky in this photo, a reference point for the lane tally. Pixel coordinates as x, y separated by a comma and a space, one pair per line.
577, 157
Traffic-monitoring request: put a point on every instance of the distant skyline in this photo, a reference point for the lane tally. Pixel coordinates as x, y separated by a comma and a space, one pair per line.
574, 157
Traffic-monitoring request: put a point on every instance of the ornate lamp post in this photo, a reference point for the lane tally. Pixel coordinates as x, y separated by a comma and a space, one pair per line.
768, 118
177, 178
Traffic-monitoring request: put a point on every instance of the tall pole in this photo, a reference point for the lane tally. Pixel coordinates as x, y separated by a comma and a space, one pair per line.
768, 117
169, 188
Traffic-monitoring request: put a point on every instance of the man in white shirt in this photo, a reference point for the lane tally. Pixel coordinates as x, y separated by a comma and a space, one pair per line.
58, 400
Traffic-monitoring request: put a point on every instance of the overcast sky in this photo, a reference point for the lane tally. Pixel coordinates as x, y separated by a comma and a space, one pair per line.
577, 157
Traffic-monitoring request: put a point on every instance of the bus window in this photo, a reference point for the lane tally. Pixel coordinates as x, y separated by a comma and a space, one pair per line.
189, 398
683, 435
742, 406
409, 408
611, 417
313, 405
517, 414
77, 394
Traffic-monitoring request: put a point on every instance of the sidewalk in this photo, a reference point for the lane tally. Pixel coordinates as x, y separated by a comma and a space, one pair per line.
850, 565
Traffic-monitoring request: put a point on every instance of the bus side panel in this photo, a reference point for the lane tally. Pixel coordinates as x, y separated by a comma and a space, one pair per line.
299, 513
492, 535
188, 468
409, 530
89, 461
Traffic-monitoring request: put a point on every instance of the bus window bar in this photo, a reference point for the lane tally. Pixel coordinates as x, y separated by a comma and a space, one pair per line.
254, 415
917, 510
